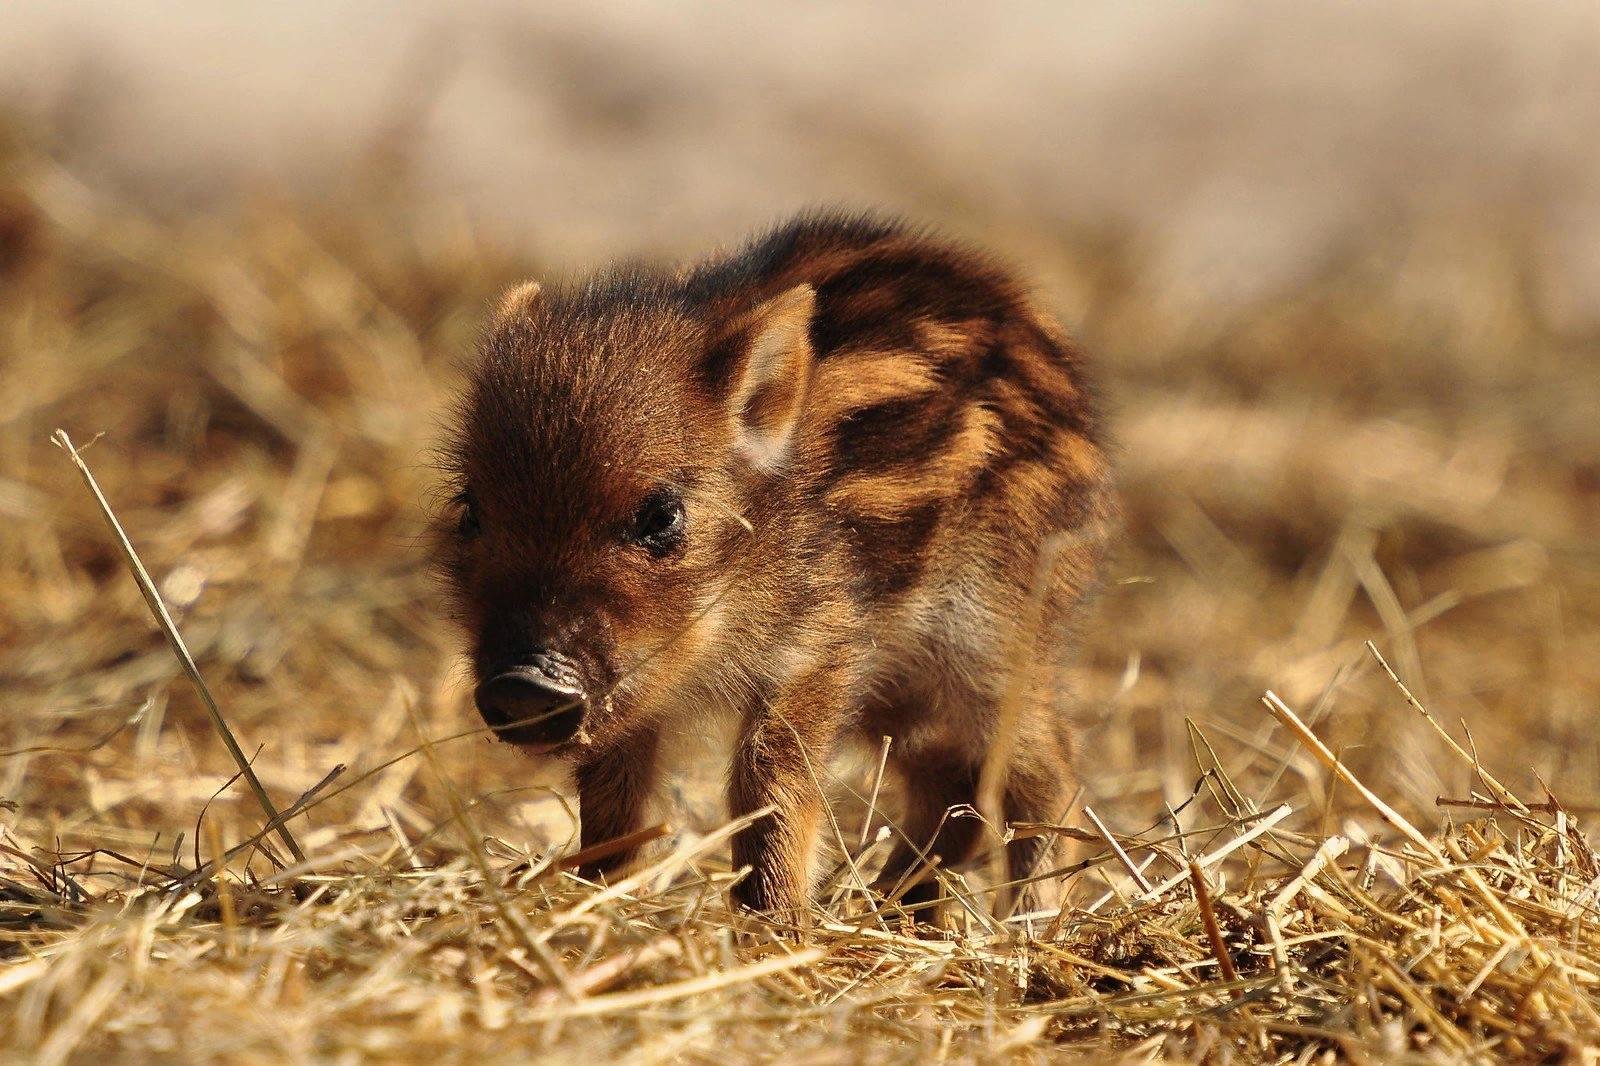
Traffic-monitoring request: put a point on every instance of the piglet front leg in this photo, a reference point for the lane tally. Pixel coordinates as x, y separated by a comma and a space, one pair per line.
779, 760
615, 787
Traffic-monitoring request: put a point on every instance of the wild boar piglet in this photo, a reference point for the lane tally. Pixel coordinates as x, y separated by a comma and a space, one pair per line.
847, 481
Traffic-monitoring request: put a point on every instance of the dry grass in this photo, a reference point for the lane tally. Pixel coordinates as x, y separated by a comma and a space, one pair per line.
1402, 451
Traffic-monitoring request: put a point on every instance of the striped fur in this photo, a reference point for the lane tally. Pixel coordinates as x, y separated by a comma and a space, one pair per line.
875, 434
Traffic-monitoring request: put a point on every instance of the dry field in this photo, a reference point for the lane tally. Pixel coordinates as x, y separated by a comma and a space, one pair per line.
1401, 448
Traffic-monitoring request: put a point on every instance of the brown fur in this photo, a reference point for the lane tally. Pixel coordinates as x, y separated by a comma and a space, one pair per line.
873, 433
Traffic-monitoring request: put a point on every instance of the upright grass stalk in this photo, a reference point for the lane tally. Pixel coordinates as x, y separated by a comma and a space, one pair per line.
152, 597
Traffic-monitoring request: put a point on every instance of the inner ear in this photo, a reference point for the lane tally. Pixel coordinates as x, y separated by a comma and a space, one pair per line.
772, 369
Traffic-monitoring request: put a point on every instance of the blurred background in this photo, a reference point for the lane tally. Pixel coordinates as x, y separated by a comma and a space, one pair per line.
1339, 266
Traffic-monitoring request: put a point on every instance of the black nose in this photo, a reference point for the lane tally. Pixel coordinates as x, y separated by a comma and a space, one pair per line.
527, 705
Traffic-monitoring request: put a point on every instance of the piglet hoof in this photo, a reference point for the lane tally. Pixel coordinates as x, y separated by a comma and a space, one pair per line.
782, 913
922, 910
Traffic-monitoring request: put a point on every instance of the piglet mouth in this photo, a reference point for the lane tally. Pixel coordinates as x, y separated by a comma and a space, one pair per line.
533, 705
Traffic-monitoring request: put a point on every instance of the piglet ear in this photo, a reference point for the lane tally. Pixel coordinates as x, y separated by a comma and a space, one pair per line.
767, 357
516, 302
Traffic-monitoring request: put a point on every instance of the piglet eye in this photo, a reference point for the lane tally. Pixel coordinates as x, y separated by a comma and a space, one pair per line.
468, 525
658, 525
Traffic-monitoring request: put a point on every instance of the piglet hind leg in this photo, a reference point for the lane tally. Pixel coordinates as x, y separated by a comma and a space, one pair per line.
939, 822
1040, 786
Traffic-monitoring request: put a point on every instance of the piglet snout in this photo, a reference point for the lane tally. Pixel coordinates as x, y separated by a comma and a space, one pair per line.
535, 703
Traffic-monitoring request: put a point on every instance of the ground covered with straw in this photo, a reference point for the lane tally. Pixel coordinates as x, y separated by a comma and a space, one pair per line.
1339, 697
